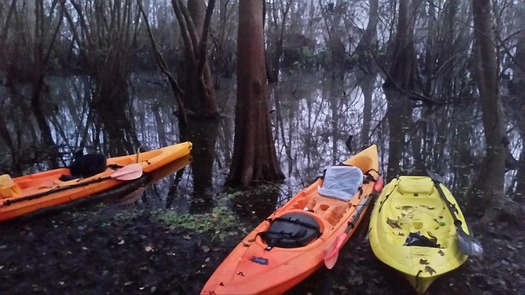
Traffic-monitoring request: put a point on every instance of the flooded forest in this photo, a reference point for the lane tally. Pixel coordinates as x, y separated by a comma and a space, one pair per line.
437, 85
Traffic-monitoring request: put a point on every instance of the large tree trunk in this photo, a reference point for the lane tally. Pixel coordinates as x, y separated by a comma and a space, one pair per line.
490, 185
254, 157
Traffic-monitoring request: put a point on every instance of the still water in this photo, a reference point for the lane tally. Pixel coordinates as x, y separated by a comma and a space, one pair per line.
312, 115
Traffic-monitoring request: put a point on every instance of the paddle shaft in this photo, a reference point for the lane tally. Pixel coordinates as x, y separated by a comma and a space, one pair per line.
450, 207
54, 190
362, 205
467, 244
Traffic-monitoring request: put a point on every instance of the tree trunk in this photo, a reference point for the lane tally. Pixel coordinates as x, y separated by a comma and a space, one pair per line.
518, 92
198, 85
400, 80
366, 76
178, 92
490, 185
254, 157
40, 60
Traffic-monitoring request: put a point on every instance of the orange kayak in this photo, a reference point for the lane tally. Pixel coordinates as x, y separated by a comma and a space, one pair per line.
29, 193
294, 241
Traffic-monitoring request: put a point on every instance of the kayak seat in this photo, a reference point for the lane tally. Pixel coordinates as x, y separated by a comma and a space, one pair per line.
8, 188
341, 182
291, 230
416, 186
87, 165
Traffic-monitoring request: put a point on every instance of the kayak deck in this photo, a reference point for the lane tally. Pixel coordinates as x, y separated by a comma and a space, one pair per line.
32, 192
412, 231
291, 243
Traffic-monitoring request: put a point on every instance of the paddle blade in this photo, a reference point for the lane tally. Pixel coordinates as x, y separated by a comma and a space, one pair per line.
378, 187
332, 253
467, 244
132, 197
128, 172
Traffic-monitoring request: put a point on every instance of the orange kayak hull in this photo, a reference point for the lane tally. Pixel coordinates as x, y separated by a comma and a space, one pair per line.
255, 267
51, 191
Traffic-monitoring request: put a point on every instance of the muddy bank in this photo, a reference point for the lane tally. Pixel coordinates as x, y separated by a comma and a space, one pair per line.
123, 249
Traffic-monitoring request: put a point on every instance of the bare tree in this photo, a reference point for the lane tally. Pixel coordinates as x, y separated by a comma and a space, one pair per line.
178, 92
254, 157
194, 22
490, 183
400, 81
223, 42
278, 14
367, 72
105, 33
517, 89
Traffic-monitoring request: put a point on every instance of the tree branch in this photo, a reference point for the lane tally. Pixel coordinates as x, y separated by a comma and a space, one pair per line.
161, 63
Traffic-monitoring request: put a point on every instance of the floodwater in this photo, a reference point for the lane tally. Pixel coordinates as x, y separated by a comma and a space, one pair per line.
312, 116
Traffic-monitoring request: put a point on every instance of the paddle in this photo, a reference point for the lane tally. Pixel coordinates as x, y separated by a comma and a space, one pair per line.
128, 172
468, 245
332, 252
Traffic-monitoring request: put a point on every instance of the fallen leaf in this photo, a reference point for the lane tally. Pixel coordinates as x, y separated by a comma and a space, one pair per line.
205, 249
430, 270
432, 237
186, 237
393, 223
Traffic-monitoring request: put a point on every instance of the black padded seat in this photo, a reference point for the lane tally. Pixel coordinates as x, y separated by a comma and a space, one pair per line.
292, 230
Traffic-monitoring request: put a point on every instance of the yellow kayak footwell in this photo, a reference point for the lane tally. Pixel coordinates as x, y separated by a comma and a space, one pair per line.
412, 230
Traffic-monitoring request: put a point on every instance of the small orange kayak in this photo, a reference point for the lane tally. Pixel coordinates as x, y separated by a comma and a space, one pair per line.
296, 239
29, 193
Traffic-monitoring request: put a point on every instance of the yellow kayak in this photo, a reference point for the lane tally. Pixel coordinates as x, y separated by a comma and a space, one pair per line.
412, 230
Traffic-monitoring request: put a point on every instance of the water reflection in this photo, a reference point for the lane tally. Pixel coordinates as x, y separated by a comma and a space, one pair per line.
312, 116
166, 181
203, 135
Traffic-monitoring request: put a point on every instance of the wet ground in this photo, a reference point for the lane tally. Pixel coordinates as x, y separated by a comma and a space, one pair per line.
124, 249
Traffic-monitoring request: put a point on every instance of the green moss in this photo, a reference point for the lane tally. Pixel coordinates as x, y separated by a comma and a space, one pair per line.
220, 223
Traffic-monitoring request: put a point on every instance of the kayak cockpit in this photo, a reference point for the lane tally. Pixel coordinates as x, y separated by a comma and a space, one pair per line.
292, 230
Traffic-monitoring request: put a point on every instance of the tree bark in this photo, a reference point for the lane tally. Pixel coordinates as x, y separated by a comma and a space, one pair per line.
400, 80
198, 85
490, 184
366, 76
254, 157
518, 92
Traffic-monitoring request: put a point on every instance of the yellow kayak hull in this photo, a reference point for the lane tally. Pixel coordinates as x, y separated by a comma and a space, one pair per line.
412, 230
